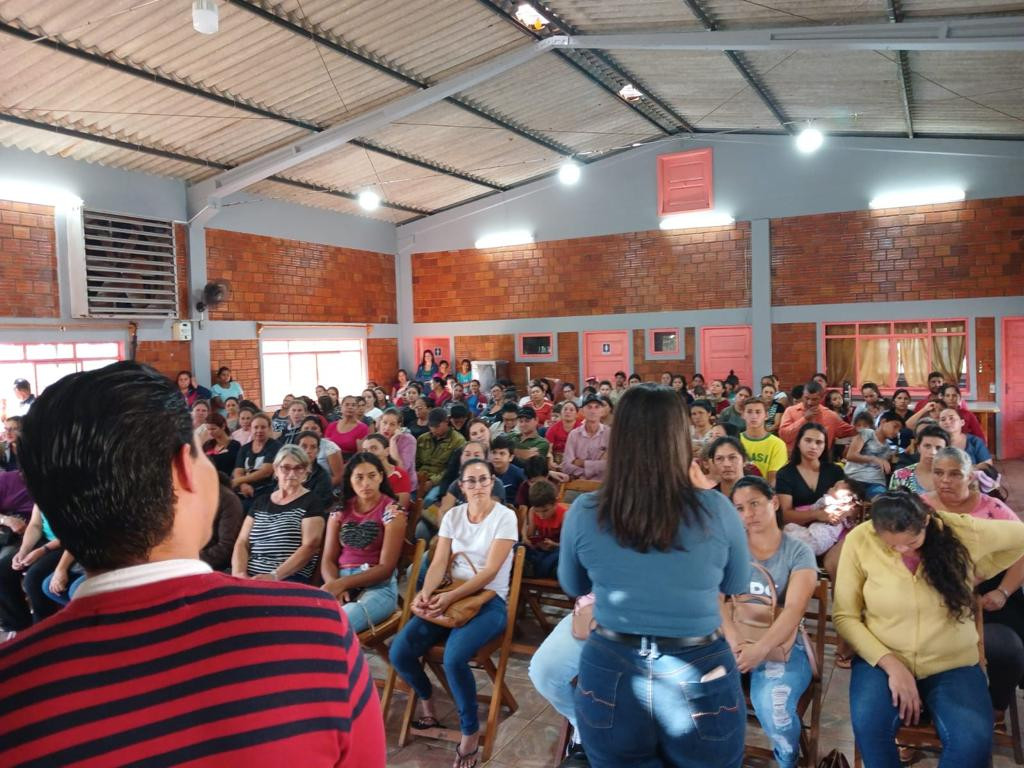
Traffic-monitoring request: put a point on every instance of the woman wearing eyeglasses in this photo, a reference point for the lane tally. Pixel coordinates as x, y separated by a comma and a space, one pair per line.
282, 531
486, 531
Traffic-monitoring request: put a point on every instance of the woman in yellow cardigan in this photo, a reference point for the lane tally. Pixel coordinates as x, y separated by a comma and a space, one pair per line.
904, 602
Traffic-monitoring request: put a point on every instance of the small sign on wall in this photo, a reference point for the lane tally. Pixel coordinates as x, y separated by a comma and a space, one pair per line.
606, 349
437, 352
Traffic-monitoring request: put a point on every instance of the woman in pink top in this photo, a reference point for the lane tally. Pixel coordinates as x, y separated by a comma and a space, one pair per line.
244, 432
957, 492
348, 431
363, 543
401, 444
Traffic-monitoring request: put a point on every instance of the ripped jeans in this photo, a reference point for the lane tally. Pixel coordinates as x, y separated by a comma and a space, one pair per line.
775, 689
649, 709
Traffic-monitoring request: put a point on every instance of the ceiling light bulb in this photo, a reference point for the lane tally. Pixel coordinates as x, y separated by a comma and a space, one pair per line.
809, 140
629, 92
569, 173
369, 200
529, 17
205, 17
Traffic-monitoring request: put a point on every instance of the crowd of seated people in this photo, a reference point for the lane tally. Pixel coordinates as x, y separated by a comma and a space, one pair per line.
318, 491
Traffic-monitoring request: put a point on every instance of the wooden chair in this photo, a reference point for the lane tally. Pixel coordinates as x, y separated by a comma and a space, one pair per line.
570, 490
501, 694
811, 698
415, 509
925, 737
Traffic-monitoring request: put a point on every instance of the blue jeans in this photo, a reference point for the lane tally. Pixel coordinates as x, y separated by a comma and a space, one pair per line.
544, 562
650, 709
775, 690
63, 597
373, 605
460, 645
554, 666
957, 701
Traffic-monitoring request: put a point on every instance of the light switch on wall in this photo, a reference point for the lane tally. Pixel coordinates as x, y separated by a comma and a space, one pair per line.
992, 389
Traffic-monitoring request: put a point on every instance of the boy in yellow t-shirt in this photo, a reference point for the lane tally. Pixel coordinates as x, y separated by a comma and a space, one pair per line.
764, 449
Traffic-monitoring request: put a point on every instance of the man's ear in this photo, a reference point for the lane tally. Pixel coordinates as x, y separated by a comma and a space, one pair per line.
183, 468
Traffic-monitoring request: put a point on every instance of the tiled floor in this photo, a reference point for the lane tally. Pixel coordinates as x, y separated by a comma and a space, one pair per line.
527, 739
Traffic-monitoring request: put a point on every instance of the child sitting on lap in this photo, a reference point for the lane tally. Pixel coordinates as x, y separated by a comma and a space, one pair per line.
542, 528
840, 503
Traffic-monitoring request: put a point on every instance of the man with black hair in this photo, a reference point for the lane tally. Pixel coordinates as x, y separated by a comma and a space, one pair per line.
158, 659
810, 411
935, 382
24, 396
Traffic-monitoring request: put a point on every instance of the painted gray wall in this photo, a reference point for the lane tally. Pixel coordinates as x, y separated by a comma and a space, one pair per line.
276, 218
755, 177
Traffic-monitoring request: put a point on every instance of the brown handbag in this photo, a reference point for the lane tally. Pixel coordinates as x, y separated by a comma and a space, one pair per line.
462, 610
834, 759
752, 616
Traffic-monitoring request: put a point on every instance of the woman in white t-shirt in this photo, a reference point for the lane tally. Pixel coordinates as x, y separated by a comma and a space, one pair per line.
486, 532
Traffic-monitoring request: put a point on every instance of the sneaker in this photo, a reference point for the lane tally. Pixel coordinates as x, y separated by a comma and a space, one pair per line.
5, 636
576, 757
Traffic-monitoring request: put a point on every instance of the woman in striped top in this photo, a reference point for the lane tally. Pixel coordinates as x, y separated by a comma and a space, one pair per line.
282, 531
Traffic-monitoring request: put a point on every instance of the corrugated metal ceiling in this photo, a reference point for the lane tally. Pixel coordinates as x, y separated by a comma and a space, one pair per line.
259, 84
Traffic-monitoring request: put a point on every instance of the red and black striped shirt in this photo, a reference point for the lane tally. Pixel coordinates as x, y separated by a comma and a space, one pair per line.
199, 670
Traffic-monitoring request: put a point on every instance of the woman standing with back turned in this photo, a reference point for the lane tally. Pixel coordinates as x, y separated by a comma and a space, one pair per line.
658, 684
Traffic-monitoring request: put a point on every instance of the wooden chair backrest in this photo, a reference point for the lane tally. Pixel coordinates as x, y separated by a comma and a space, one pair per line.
820, 628
574, 488
410, 589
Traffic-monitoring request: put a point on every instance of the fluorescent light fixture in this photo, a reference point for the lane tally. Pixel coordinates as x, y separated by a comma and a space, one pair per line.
809, 140
569, 173
629, 92
920, 196
500, 239
696, 220
37, 194
529, 17
205, 16
369, 200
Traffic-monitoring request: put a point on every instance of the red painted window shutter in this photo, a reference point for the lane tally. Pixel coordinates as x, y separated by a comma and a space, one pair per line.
684, 182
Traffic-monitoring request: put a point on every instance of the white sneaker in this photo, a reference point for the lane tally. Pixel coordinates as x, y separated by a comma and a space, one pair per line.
5, 636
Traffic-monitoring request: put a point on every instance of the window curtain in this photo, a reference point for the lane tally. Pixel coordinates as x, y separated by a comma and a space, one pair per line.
874, 361
948, 356
841, 356
914, 355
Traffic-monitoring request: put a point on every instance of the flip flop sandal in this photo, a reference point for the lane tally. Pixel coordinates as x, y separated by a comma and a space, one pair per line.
425, 723
468, 760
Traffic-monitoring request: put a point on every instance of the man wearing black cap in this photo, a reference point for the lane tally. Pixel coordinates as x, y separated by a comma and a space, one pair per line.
587, 446
530, 443
433, 449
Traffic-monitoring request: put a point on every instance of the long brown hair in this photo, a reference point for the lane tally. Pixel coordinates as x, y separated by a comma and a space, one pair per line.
647, 491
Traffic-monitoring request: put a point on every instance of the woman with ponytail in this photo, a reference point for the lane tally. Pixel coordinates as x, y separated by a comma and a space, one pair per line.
904, 603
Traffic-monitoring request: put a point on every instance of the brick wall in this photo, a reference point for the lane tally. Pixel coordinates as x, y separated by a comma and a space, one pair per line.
635, 272
794, 353
28, 261
168, 357
242, 356
293, 281
985, 356
382, 361
973, 248
651, 370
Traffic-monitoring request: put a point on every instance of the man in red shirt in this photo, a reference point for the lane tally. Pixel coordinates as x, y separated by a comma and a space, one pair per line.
935, 382
159, 660
809, 410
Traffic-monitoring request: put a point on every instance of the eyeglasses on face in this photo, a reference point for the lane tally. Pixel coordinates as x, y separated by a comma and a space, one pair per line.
291, 469
473, 482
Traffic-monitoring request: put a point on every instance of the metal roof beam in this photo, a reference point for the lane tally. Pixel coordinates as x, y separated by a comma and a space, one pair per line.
381, 65
237, 103
988, 34
741, 66
310, 147
181, 158
895, 14
503, 9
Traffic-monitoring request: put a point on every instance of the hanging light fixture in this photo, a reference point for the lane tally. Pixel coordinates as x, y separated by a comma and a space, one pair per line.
809, 140
205, 16
569, 173
369, 200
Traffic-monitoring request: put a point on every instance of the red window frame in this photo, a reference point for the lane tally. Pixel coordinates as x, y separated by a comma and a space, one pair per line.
653, 354
893, 336
9, 358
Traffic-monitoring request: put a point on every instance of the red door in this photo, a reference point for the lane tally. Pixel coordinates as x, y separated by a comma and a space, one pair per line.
441, 346
727, 349
1012, 407
604, 353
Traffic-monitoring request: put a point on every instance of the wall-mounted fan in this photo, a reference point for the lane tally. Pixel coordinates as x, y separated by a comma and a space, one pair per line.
214, 294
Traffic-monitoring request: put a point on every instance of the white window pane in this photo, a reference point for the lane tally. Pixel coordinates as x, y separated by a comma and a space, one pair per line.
343, 370
11, 371
302, 376
276, 380
65, 351
41, 351
274, 346
48, 373
92, 365
107, 349
12, 352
